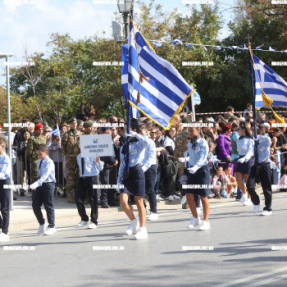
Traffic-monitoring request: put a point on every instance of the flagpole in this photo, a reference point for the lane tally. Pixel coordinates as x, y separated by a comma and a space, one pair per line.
253, 101
253, 95
127, 158
192, 107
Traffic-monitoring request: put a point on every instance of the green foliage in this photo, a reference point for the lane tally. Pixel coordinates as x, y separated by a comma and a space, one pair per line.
58, 83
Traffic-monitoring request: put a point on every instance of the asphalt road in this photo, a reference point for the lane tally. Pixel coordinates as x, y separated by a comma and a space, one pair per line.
237, 251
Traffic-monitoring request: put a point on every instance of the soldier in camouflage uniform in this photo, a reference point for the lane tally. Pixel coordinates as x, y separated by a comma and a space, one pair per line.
71, 149
181, 141
33, 142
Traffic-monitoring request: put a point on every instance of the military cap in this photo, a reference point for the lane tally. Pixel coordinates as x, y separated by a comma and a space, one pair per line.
88, 124
72, 120
186, 120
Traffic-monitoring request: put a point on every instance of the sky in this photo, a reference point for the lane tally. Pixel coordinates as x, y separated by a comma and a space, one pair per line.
28, 24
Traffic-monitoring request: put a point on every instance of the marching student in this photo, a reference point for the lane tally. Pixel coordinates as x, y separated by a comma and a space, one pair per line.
199, 174
245, 147
44, 193
5, 193
89, 167
183, 181
149, 166
264, 174
134, 182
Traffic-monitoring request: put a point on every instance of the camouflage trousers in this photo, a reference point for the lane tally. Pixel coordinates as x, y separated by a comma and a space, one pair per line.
33, 170
72, 178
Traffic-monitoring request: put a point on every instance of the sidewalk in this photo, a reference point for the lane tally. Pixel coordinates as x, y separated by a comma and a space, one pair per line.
23, 220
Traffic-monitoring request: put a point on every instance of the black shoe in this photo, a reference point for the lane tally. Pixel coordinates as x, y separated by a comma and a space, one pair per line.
105, 206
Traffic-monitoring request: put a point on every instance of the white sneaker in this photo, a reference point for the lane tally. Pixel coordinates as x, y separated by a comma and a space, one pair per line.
170, 198
205, 225
176, 197
92, 225
183, 200
256, 208
159, 198
133, 227
243, 198
4, 237
266, 213
153, 216
50, 231
83, 223
247, 202
42, 228
141, 234
194, 222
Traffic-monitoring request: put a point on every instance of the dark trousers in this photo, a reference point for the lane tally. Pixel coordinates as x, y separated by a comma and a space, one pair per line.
59, 174
44, 195
169, 173
86, 186
183, 181
5, 199
14, 170
150, 181
158, 180
264, 175
106, 194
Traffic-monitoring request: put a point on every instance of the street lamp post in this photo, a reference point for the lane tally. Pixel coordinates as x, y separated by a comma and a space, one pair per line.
124, 7
6, 57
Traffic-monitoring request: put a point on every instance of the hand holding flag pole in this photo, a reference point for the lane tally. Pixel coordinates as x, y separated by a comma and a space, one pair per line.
253, 99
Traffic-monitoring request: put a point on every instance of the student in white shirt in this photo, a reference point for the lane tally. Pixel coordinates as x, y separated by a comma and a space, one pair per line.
44, 193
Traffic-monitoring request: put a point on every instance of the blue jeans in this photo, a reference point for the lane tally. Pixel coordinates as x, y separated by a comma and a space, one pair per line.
277, 170
44, 194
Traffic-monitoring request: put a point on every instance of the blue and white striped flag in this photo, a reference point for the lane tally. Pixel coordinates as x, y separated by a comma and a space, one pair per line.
196, 98
56, 131
273, 85
163, 91
125, 59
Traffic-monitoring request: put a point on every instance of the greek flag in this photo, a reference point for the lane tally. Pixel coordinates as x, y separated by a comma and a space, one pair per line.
155, 87
56, 131
196, 98
125, 60
273, 85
